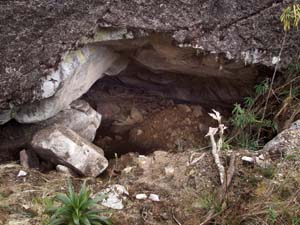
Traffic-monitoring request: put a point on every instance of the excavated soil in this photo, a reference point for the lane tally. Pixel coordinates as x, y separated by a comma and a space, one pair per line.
139, 120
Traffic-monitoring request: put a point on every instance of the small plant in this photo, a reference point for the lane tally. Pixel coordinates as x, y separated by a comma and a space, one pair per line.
262, 88
247, 121
268, 172
273, 216
290, 17
296, 221
242, 117
209, 201
77, 209
246, 141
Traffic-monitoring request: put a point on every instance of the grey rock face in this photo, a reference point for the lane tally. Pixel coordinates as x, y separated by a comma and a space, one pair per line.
285, 143
32, 46
60, 145
74, 77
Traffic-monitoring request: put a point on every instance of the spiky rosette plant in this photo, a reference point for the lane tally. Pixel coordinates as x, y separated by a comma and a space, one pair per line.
77, 209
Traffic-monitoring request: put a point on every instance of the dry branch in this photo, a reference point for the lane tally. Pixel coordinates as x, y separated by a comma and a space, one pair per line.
215, 153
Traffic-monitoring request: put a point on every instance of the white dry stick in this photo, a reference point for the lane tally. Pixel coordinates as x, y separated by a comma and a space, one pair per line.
212, 131
221, 132
216, 147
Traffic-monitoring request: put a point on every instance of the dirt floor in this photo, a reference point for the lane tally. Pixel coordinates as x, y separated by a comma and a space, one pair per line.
137, 120
186, 183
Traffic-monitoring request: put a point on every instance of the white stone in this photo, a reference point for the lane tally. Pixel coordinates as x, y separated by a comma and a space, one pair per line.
119, 65
141, 196
275, 60
63, 169
128, 169
60, 145
115, 195
261, 157
169, 170
22, 173
248, 159
154, 197
22, 221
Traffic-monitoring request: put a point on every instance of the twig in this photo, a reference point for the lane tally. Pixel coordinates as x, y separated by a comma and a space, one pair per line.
215, 153
209, 217
231, 169
288, 83
174, 218
271, 85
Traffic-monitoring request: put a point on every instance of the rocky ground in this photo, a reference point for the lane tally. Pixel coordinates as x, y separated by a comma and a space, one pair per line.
186, 183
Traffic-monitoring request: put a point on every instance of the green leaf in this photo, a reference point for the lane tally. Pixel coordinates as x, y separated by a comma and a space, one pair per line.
75, 219
249, 102
262, 88
84, 220
64, 198
57, 221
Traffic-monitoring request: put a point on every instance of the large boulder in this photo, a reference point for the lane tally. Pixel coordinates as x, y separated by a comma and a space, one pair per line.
34, 45
74, 76
285, 143
60, 145
79, 117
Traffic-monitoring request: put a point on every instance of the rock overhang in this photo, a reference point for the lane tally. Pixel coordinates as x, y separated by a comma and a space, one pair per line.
247, 33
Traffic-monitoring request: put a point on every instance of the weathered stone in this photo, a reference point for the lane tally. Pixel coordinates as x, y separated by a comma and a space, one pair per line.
64, 170
60, 145
115, 195
79, 117
29, 159
22, 173
75, 75
33, 46
285, 143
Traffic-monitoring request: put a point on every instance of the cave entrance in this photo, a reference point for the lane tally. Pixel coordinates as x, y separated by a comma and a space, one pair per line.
157, 95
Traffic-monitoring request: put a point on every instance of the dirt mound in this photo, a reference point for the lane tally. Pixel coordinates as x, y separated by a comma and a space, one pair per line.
138, 120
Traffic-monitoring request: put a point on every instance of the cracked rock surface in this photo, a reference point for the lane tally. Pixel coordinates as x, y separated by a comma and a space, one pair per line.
285, 143
35, 34
60, 145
